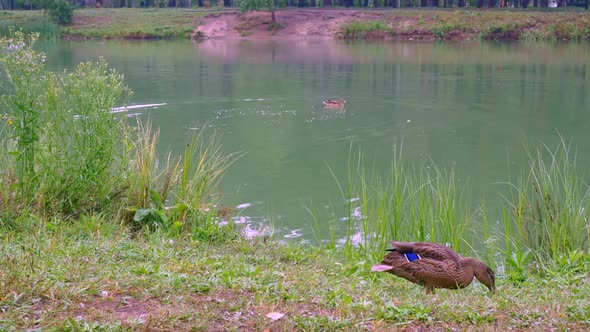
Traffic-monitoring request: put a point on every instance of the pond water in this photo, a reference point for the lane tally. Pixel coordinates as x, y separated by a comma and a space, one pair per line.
469, 107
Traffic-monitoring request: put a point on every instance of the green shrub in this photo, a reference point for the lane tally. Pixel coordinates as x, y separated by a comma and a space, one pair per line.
64, 153
61, 11
66, 147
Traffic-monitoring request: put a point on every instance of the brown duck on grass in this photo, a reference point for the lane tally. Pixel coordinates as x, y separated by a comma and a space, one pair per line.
434, 266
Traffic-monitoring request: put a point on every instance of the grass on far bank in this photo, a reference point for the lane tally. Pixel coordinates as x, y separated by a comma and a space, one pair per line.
406, 23
29, 21
471, 23
98, 275
127, 23
134, 23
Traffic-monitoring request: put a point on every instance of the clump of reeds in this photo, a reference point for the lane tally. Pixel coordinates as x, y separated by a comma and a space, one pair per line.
544, 219
405, 204
65, 154
548, 207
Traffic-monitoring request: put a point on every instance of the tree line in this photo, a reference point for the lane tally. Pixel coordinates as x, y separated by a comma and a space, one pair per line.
41, 4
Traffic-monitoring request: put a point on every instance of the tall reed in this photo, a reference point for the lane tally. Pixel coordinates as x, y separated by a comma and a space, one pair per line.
405, 205
549, 206
177, 192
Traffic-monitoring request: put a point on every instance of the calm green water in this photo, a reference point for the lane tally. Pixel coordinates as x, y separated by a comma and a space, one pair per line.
469, 107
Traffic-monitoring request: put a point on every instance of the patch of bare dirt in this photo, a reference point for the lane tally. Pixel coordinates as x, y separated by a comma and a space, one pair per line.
119, 309
222, 311
308, 23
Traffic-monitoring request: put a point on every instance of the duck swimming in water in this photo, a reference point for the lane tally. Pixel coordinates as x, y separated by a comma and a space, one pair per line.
333, 103
433, 266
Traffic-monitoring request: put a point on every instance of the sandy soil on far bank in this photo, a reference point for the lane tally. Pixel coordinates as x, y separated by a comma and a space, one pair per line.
301, 23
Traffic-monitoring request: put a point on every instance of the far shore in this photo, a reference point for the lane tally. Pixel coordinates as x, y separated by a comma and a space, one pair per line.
315, 23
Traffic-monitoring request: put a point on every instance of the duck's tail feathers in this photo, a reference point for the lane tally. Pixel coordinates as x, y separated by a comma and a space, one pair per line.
381, 268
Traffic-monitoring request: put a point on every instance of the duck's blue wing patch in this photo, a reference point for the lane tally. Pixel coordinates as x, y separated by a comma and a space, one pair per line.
410, 256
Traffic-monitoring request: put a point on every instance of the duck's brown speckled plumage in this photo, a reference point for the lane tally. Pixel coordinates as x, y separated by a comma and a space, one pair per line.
334, 103
439, 266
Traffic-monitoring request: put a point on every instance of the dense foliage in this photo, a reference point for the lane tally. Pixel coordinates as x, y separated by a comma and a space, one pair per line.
61, 11
64, 153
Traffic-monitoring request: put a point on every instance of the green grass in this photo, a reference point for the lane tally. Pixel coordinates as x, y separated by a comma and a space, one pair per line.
106, 23
405, 204
98, 274
134, 23
548, 209
145, 251
29, 21
365, 30
514, 24
543, 221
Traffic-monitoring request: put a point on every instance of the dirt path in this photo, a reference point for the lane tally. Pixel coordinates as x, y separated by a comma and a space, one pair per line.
308, 23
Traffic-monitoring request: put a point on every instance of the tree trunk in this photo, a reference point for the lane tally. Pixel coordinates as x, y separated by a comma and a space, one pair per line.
461, 3
312, 3
273, 19
586, 5
375, 3
479, 3
490, 3
226, 3
327, 2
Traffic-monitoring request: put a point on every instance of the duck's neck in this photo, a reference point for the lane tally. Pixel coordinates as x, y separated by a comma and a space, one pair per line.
466, 271
471, 267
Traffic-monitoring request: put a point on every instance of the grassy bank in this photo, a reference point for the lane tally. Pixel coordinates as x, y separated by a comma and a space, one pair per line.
495, 24
97, 275
429, 24
98, 232
121, 23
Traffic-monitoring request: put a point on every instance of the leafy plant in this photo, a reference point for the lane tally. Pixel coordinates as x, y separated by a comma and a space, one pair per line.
61, 11
25, 96
68, 154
